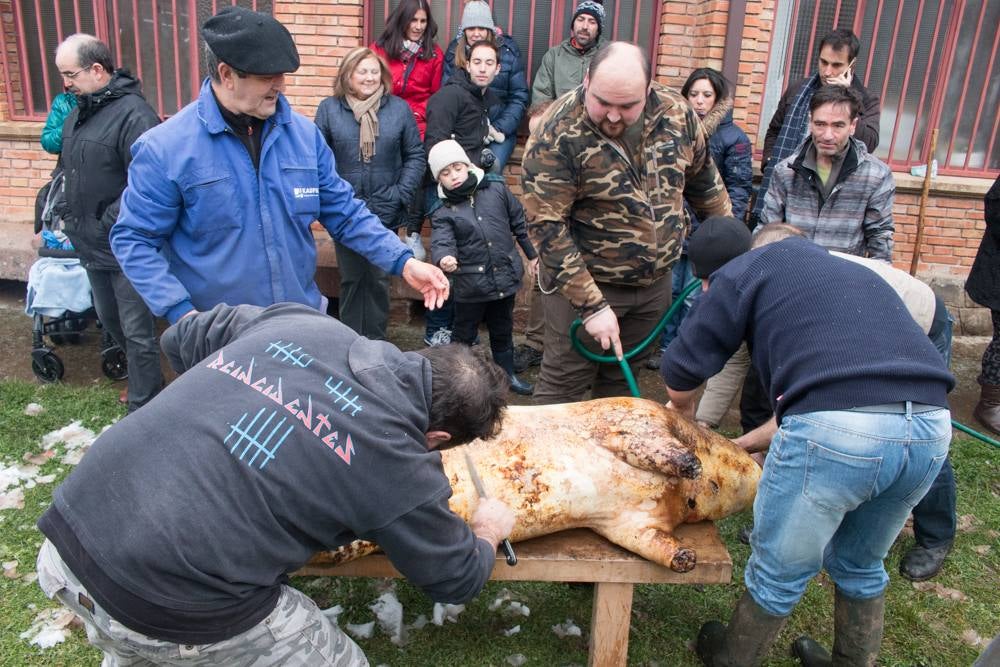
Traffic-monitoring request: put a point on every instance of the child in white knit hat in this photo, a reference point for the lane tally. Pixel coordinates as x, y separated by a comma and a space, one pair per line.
472, 239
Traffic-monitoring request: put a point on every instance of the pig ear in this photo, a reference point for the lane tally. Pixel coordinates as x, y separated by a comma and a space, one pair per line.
436, 438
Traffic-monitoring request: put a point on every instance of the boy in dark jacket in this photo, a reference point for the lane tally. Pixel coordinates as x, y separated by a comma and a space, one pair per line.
472, 234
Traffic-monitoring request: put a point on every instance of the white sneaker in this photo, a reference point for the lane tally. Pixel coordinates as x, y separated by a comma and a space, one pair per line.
440, 337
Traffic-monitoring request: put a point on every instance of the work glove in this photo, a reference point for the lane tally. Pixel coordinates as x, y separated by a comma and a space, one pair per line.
495, 135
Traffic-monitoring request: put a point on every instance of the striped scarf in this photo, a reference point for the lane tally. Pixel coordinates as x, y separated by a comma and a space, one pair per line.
793, 131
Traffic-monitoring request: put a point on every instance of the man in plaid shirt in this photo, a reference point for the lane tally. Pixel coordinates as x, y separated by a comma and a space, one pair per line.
832, 188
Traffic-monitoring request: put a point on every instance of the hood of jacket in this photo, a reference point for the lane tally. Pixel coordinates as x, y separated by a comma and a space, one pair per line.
462, 80
122, 83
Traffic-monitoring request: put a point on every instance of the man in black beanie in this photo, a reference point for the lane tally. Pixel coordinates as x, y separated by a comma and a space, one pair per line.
221, 197
859, 434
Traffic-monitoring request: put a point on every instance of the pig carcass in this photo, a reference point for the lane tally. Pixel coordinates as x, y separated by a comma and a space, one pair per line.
627, 468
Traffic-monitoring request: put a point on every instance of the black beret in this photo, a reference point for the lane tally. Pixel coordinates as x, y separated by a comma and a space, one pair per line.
715, 242
250, 41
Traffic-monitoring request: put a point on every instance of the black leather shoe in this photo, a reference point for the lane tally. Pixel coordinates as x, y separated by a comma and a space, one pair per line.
525, 357
920, 564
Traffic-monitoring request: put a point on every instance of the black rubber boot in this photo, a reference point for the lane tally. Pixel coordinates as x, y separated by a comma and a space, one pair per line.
987, 410
505, 360
921, 563
744, 642
857, 635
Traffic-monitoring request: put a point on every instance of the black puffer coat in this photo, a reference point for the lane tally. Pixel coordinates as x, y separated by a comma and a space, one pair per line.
460, 111
479, 232
983, 284
97, 139
388, 183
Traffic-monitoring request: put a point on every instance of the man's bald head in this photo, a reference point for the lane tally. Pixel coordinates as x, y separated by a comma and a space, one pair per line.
85, 63
615, 87
622, 58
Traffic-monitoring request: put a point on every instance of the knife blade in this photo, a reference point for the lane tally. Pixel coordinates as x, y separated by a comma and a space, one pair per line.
477, 482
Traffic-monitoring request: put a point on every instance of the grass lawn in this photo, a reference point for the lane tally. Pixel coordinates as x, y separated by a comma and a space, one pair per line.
924, 627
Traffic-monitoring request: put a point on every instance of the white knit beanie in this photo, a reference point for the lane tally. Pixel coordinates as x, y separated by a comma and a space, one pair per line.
445, 153
477, 14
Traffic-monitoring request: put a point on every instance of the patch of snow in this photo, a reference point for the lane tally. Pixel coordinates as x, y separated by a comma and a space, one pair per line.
389, 614
49, 628
567, 629
512, 631
516, 660
361, 630
12, 500
448, 612
16, 474
72, 436
33, 409
418, 623
333, 612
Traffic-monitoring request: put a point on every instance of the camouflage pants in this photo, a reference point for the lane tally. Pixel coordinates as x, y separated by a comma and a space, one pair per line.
295, 633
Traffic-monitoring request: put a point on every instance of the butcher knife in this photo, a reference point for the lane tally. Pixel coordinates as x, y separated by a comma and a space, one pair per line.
481, 490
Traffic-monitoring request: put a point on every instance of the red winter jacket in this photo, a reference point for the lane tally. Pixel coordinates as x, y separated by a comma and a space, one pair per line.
422, 81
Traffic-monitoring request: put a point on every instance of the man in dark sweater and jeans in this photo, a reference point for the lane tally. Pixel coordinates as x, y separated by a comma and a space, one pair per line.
286, 434
859, 434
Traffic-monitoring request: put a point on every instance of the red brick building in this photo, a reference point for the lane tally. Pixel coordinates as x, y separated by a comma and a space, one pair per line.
934, 65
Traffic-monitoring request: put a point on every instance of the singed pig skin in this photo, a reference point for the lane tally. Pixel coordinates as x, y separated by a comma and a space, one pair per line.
627, 468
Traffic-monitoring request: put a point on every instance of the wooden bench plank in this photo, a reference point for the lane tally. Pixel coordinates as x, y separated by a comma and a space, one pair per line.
584, 556
572, 555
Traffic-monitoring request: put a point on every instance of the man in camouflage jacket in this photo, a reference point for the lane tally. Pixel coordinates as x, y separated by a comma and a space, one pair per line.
605, 177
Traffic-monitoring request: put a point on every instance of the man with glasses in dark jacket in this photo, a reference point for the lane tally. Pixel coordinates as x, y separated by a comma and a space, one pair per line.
97, 138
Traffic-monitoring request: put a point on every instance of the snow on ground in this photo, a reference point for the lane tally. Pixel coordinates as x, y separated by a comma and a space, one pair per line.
51, 626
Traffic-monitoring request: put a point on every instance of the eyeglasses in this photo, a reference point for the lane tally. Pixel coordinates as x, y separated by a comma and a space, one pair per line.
72, 75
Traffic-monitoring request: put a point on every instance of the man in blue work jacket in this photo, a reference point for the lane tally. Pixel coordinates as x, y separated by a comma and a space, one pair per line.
221, 197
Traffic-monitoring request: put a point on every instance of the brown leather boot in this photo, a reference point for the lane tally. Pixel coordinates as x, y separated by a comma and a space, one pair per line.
988, 409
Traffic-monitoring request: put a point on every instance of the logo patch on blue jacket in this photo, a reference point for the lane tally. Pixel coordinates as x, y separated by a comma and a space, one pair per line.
302, 193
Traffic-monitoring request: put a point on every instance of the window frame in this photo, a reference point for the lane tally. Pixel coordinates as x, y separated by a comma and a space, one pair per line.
931, 112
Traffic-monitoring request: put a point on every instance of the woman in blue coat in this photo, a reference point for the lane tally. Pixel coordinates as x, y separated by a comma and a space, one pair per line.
377, 149
708, 93
510, 84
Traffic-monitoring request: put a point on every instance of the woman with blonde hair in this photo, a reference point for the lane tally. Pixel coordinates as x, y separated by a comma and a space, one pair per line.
377, 149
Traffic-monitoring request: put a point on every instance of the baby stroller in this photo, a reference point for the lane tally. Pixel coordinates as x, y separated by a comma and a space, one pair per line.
59, 300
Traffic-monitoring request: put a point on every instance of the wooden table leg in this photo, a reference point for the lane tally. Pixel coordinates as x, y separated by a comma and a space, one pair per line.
609, 624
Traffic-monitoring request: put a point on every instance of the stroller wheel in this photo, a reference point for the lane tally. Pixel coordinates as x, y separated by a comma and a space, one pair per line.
47, 366
114, 364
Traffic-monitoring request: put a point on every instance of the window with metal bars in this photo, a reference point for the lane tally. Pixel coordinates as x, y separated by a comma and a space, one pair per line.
155, 39
932, 64
535, 25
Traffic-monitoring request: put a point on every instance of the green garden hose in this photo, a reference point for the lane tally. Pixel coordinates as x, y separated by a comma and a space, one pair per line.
655, 334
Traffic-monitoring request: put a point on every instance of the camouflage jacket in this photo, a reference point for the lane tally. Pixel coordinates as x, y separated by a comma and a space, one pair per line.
594, 216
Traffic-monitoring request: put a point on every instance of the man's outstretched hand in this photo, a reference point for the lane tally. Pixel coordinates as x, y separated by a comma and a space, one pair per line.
427, 279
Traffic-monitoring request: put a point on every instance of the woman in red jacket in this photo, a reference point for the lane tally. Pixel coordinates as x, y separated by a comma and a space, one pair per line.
416, 62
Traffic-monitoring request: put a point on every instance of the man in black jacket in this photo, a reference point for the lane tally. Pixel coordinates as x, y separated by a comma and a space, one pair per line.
460, 110
287, 433
97, 136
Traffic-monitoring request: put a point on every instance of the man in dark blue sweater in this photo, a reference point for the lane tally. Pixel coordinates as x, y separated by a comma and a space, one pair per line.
859, 434
286, 434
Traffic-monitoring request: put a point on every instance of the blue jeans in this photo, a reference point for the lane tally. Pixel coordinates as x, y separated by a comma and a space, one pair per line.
503, 151
681, 278
836, 489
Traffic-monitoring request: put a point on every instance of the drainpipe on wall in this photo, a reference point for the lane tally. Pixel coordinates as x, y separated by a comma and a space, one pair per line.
734, 40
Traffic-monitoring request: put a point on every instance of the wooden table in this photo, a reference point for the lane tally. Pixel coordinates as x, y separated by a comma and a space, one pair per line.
583, 556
